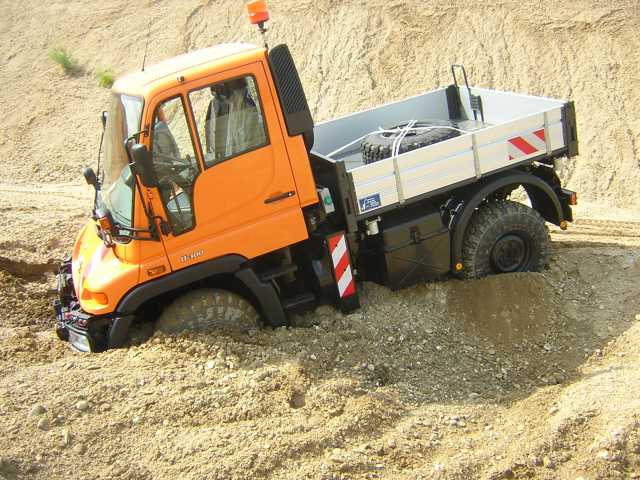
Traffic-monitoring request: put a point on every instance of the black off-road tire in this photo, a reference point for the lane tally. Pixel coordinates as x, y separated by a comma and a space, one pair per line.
505, 237
207, 308
378, 145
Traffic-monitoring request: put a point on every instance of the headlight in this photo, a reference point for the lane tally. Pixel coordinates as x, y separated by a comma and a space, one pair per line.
79, 342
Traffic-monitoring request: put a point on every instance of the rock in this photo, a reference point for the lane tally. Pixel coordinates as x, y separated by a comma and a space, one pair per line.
618, 436
38, 410
43, 423
79, 448
337, 456
313, 357
66, 437
535, 461
392, 443
508, 473
210, 365
136, 420
548, 462
82, 405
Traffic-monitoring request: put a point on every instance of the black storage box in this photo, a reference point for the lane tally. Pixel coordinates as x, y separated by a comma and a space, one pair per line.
413, 246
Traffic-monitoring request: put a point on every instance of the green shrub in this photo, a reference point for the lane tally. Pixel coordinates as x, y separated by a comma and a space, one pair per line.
105, 78
63, 58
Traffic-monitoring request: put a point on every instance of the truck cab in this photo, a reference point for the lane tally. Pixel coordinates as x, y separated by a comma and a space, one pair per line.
230, 182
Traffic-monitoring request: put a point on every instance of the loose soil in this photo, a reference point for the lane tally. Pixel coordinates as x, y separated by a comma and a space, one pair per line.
517, 376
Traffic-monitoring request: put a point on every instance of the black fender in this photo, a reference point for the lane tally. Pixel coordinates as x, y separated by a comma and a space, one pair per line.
543, 199
264, 293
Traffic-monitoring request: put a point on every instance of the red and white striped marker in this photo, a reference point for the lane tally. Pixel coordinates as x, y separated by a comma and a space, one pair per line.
525, 145
342, 265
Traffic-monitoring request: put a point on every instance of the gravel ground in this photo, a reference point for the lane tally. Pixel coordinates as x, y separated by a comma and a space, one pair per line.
519, 376
516, 376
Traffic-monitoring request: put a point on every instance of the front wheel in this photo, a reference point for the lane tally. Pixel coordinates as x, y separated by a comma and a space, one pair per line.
505, 237
204, 309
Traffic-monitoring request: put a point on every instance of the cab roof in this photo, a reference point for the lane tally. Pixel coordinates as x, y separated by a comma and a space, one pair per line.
163, 73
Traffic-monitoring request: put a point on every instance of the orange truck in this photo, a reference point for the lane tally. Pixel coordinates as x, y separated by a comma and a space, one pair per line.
219, 198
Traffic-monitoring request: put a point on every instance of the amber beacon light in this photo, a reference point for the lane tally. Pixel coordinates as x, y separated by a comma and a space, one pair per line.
258, 13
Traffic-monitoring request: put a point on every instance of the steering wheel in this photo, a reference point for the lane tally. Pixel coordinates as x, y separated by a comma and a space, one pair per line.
170, 168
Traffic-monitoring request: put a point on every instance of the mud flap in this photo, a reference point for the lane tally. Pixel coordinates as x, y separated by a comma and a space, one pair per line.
119, 331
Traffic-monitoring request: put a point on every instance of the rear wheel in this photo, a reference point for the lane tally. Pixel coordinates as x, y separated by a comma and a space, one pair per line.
505, 237
205, 309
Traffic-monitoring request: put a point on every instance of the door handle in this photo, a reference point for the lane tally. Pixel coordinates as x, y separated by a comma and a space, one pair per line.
280, 196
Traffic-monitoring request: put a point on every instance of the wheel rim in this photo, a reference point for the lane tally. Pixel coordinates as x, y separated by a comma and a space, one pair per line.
510, 253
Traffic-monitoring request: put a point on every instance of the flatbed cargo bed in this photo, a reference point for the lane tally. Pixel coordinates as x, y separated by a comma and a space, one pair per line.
513, 130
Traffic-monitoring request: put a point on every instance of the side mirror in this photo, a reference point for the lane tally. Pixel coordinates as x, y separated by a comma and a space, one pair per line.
143, 166
103, 118
90, 177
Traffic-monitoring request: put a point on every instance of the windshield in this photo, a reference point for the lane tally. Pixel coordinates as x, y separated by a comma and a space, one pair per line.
117, 183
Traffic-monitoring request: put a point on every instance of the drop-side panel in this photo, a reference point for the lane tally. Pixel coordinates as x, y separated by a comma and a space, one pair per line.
518, 128
453, 161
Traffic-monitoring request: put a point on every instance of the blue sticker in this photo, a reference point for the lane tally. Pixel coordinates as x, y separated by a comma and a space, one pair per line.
370, 202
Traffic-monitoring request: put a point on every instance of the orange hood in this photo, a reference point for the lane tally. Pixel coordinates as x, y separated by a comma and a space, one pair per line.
101, 276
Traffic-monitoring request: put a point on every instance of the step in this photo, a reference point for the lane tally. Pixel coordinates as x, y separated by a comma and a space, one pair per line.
278, 272
298, 300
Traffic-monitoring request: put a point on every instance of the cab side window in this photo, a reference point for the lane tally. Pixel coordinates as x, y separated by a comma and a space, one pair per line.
175, 162
229, 119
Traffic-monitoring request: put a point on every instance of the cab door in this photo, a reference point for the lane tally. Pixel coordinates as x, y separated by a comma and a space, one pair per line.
226, 184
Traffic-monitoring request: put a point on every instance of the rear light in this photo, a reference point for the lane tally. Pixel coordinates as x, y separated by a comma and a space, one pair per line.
573, 199
570, 196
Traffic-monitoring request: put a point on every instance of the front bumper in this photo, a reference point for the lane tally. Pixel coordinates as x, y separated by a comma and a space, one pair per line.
85, 332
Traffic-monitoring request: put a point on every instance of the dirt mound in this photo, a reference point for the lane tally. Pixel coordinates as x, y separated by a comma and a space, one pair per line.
505, 309
24, 302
